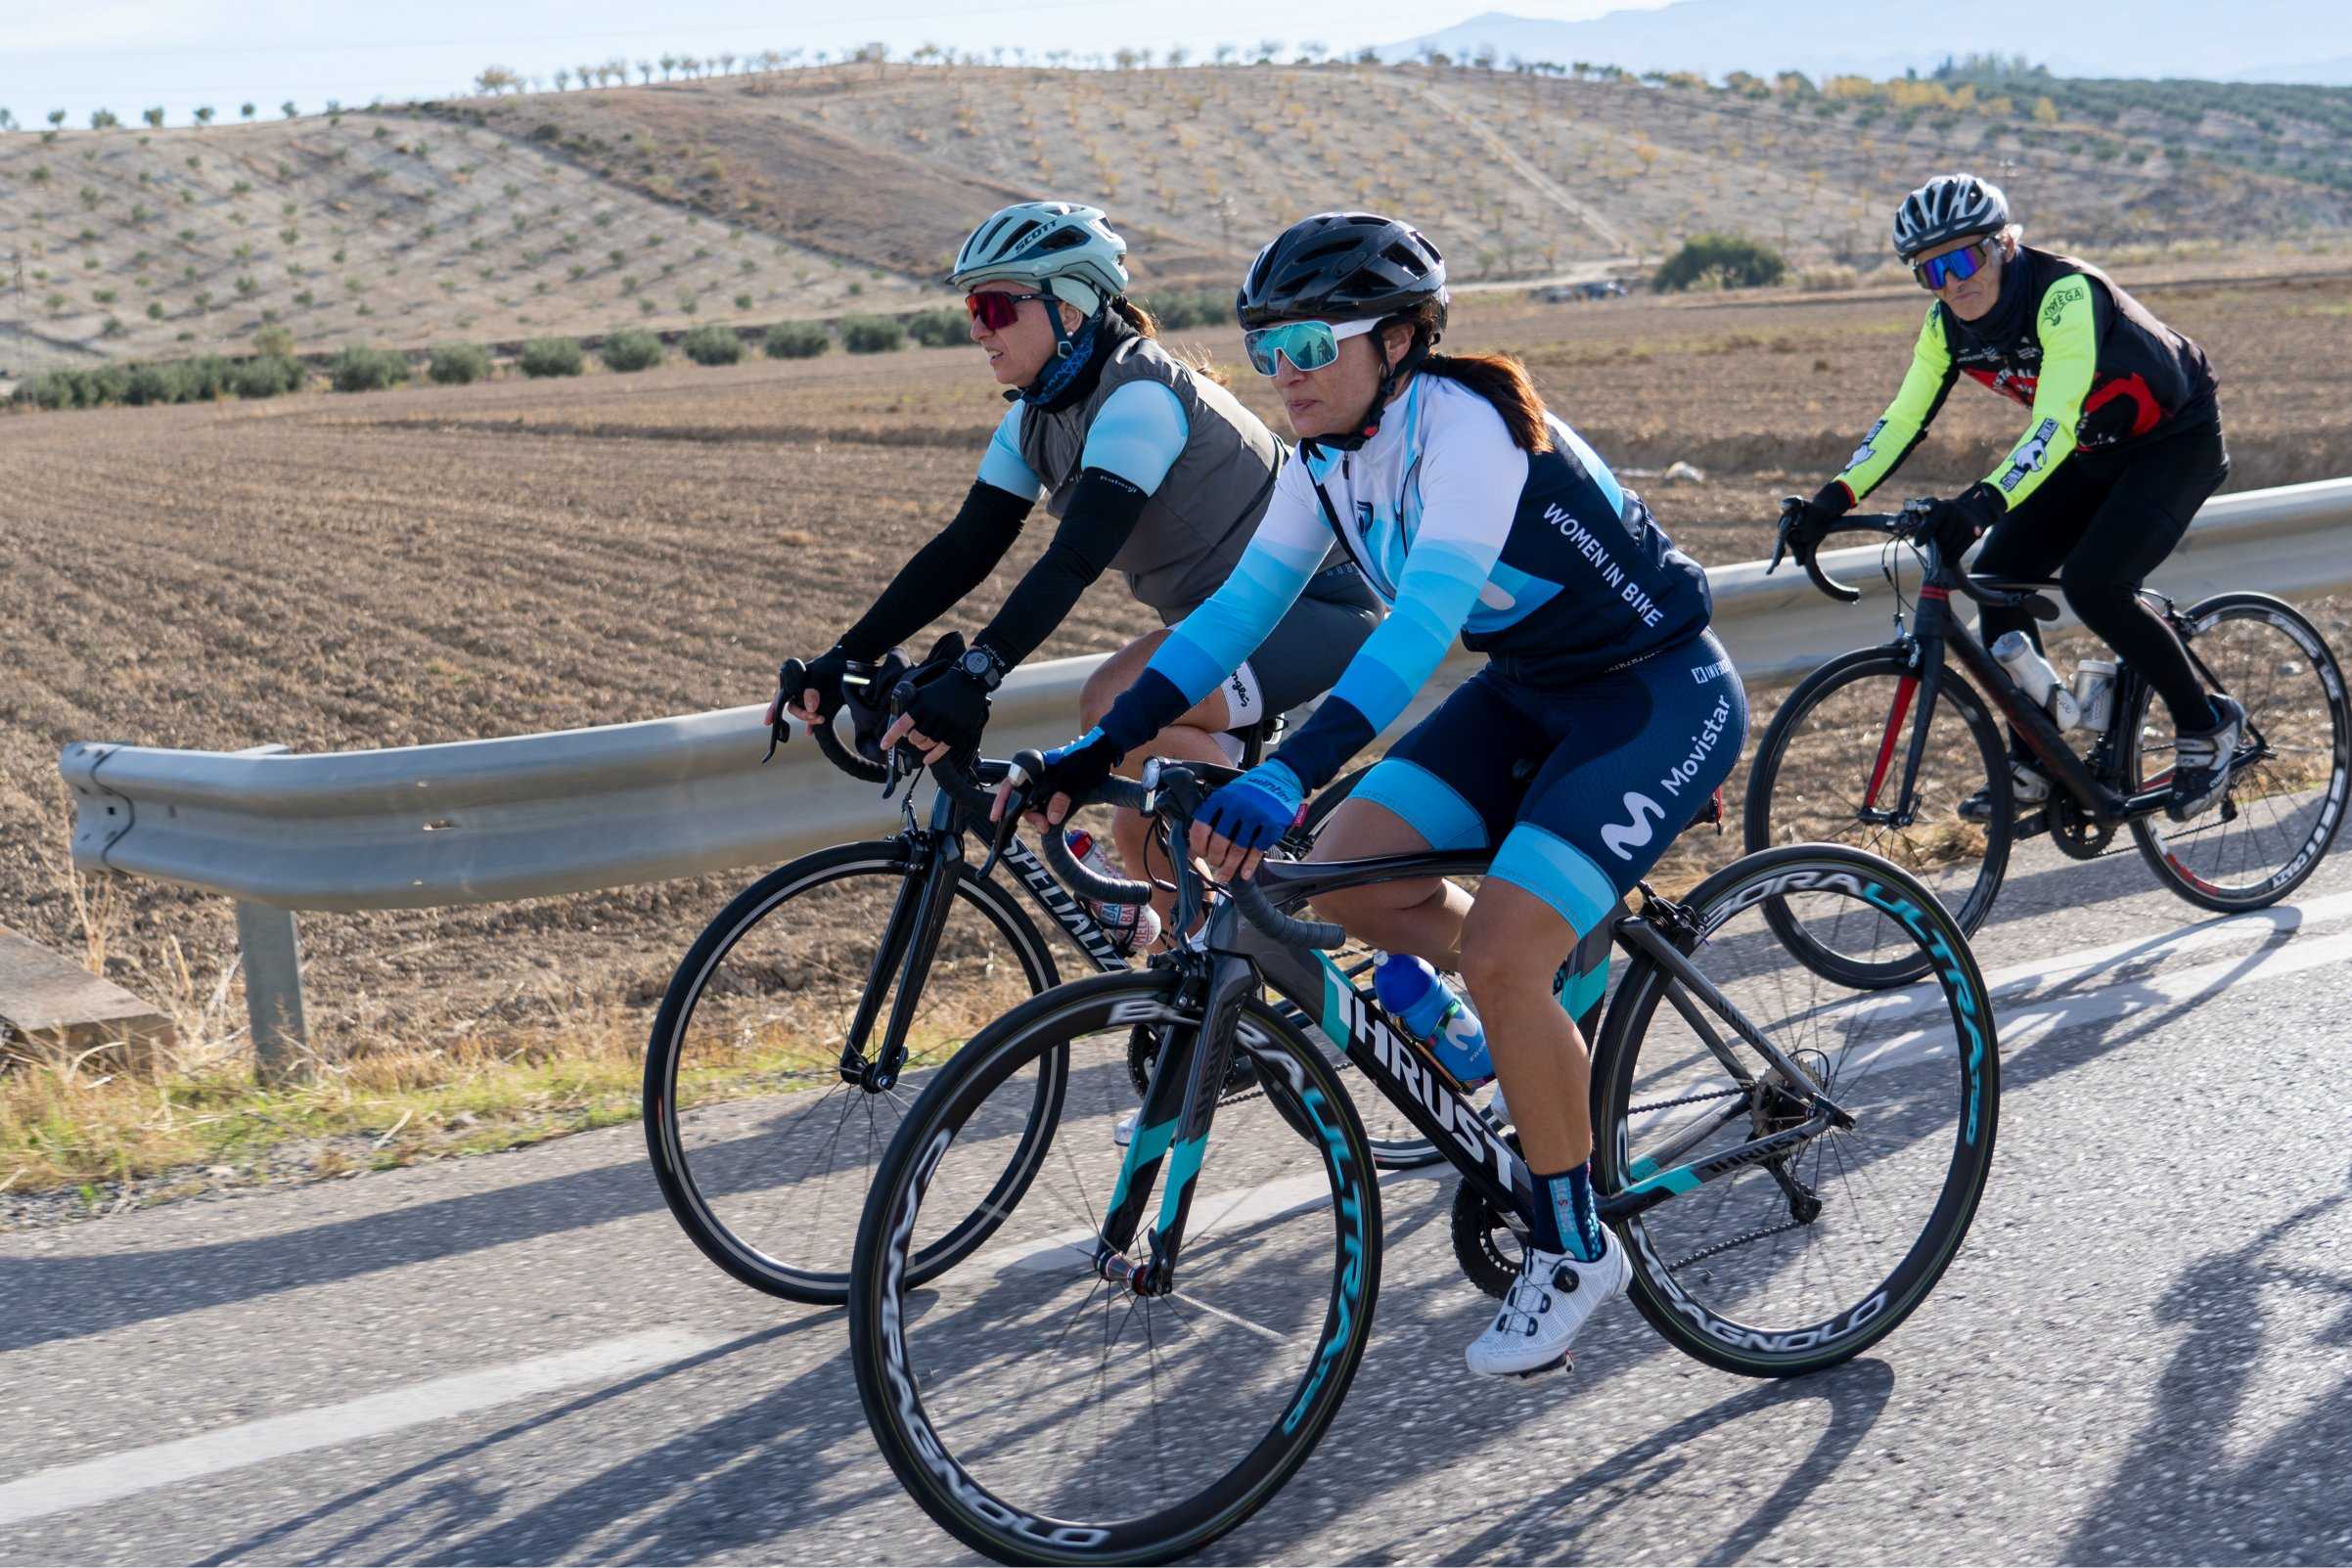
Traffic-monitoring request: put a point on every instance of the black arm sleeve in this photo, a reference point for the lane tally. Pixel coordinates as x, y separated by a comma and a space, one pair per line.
1103, 512
941, 572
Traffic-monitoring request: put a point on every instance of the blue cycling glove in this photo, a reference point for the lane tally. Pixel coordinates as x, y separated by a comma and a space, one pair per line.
1076, 770
1256, 809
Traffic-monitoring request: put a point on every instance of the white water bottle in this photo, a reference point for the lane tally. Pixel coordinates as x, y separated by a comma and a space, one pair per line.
1131, 925
2036, 679
2095, 692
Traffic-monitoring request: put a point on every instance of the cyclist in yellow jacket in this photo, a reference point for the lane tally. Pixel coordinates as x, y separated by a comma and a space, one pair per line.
2122, 445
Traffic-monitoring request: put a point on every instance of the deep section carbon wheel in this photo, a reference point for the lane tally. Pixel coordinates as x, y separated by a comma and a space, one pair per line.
1810, 1256
1042, 1415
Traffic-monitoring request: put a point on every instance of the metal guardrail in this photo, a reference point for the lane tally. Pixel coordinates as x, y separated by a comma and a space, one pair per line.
529, 816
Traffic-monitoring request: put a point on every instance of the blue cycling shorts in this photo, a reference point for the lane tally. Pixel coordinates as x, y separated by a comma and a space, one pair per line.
1583, 786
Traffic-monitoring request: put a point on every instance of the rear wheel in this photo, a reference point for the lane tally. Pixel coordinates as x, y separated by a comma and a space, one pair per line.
2283, 808
1830, 770
1811, 1256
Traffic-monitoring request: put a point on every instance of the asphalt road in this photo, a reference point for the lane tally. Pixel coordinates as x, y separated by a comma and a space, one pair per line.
2143, 1354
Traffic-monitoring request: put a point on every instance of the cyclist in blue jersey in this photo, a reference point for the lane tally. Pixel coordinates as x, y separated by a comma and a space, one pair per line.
1604, 719
1152, 470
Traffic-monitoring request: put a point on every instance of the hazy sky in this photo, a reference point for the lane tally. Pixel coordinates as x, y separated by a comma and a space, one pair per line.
128, 55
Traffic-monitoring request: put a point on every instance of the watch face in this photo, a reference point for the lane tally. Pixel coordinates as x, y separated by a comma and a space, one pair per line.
979, 666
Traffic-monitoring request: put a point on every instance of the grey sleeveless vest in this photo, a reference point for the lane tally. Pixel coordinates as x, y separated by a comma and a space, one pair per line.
1196, 524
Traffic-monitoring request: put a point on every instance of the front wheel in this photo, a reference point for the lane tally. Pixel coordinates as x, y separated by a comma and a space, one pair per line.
761, 1143
1830, 769
2283, 808
1790, 1263
1041, 1415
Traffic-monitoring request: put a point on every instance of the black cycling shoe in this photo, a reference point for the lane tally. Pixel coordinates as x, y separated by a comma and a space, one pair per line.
2028, 793
2200, 763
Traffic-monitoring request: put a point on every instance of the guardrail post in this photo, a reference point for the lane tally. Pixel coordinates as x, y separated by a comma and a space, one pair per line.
273, 990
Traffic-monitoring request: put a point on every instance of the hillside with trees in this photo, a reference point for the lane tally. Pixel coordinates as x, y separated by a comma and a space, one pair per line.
774, 192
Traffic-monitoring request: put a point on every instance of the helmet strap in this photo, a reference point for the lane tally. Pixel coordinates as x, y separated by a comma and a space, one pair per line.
1405, 364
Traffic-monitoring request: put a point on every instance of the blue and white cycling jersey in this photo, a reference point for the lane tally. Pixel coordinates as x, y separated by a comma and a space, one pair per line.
1541, 559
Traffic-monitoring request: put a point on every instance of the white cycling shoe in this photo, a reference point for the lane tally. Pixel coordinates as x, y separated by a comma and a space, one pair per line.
1547, 1305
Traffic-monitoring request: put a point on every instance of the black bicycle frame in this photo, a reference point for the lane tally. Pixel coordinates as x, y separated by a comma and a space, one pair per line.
1171, 1129
910, 936
1939, 632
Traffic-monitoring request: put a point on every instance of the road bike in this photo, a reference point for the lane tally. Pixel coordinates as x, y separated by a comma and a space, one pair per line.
1791, 1166
802, 1020
1877, 747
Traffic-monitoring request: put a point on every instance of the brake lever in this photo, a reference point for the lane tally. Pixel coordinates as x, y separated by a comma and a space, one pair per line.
780, 723
1008, 823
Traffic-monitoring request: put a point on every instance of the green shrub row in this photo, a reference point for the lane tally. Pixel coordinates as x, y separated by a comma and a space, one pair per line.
552, 356
359, 369
632, 348
796, 340
185, 381
1204, 307
710, 344
459, 364
1720, 261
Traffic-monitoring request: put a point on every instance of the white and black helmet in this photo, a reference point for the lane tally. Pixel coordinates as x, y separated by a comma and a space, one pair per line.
1060, 247
1950, 206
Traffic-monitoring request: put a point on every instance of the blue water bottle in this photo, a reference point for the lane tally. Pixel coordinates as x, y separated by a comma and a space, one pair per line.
1432, 1014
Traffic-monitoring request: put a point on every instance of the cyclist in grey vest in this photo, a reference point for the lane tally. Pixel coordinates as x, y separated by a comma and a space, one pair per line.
1150, 467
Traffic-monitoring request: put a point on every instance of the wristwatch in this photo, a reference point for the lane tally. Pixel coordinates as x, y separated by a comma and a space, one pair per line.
981, 666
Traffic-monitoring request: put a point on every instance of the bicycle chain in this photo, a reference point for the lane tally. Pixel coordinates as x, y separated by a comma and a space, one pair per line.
1686, 1100
1720, 1247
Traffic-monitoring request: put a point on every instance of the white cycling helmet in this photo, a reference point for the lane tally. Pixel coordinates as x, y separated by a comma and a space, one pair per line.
1061, 248
1950, 206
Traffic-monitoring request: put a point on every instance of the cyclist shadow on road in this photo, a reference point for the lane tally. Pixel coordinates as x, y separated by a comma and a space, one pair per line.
1550, 1527
2225, 1470
452, 1501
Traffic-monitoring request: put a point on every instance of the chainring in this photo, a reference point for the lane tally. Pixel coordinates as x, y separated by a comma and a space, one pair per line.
2074, 833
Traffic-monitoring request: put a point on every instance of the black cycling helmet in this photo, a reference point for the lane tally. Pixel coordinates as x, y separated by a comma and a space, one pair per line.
1349, 266
1341, 266
1950, 206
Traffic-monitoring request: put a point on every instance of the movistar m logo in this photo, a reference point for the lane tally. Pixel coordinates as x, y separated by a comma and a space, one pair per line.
1622, 840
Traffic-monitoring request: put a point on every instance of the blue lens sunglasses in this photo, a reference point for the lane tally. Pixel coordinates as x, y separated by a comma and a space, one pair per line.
1957, 266
1307, 345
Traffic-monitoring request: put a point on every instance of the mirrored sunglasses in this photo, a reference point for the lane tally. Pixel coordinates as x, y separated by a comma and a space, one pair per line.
995, 310
1957, 266
1307, 344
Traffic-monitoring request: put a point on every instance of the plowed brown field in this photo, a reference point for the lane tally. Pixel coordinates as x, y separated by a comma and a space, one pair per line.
432, 565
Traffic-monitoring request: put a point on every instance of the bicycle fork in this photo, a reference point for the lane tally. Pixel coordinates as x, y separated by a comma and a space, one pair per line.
1171, 1130
910, 940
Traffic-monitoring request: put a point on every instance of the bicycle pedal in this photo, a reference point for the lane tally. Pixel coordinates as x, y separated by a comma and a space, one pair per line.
1565, 1364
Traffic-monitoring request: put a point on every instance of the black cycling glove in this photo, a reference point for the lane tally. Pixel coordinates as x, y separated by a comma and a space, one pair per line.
824, 677
1812, 520
1961, 522
951, 709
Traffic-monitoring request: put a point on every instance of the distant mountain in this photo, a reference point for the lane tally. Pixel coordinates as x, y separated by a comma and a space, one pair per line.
2336, 73
2141, 38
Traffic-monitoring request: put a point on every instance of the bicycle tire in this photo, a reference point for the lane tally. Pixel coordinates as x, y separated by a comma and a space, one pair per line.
1695, 1324
2162, 842
1770, 806
934, 1465
814, 1281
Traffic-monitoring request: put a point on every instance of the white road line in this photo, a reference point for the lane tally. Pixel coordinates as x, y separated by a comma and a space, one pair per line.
2025, 1021
122, 1475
